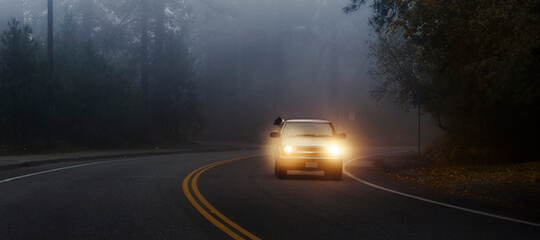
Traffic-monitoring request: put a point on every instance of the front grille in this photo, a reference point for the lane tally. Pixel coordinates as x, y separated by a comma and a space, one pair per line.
310, 149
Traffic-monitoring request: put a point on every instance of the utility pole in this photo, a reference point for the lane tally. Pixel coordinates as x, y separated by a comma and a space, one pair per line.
145, 69
419, 128
50, 32
418, 100
50, 85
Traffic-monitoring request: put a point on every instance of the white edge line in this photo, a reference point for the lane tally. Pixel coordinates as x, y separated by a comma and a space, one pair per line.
428, 200
60, 169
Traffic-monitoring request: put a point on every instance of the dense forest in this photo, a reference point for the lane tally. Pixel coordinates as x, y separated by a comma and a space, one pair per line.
477, 64
152, 73
161, 72
103, 85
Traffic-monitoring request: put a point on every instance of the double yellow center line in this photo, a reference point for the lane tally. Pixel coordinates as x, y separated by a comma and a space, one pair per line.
206, 209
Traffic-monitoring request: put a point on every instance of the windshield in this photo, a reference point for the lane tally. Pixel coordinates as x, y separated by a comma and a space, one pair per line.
308, 130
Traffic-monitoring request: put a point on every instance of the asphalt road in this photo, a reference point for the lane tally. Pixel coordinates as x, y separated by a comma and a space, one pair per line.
143, 198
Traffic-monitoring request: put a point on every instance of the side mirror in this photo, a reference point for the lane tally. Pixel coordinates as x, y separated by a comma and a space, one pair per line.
275, 135
279, 121
342, 136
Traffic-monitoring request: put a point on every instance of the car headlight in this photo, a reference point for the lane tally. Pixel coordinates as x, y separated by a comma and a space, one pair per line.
334, 150
288, 150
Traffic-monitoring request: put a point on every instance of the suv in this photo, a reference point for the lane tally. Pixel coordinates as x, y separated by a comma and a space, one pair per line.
307, 144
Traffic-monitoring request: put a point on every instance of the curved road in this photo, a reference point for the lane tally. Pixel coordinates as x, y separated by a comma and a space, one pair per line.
143, 198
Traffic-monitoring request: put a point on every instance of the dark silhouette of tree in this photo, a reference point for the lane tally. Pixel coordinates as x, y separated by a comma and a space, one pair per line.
94, 95
123, 75
477, 61
21, 83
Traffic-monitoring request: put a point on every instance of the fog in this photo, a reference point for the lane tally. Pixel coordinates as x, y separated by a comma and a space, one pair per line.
294, 59
256, 60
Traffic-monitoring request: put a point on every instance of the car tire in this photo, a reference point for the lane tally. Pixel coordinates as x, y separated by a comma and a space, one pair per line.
280, 171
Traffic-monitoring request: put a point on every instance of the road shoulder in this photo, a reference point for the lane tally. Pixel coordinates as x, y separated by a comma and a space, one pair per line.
515, 186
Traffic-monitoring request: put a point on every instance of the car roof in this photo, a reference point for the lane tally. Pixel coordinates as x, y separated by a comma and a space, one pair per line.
308, 120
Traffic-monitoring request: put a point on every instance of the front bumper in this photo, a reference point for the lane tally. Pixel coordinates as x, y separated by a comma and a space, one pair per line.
310, 163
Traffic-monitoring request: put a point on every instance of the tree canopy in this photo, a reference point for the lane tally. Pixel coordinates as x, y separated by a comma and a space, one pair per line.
477, 61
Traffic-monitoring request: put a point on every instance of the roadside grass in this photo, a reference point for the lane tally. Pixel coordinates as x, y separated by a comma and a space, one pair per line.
517, 183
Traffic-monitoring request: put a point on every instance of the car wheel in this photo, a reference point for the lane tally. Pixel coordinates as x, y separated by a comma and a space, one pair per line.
280, 171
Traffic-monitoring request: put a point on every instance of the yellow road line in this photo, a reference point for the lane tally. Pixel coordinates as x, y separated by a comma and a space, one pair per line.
208, 215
